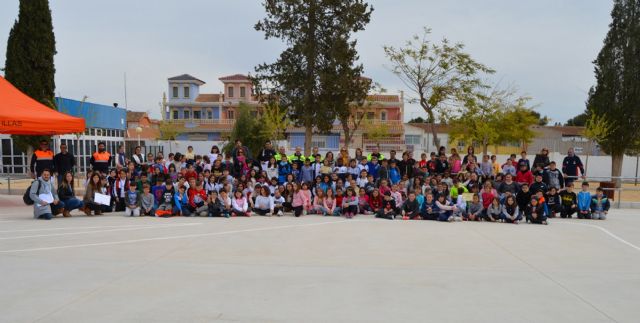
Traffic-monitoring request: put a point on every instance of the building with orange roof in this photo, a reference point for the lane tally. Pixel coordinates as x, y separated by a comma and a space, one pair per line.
211, 116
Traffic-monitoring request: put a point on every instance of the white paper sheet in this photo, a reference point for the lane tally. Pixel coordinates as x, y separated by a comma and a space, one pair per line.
46, 197
102, 199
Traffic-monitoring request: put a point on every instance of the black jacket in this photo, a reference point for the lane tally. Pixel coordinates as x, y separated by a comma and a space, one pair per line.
64, 162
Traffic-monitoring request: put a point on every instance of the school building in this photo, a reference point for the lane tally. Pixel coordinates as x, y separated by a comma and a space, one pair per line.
211, 116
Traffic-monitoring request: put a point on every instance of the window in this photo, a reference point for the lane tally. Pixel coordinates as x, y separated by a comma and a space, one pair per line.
98, 132
412, 139
196, 114
175, 114
186, 91
383, 116
231, 114
242, 91
370, 115
174, 92
230, 91
209, 114
93, 132
187, 114
320, 143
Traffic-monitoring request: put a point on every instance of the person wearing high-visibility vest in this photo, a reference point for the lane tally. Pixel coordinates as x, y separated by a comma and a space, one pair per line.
101, 159
375, 153
297, 157
281, 152
42, 159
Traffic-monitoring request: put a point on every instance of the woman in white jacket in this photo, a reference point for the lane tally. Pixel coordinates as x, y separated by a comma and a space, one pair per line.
264, 202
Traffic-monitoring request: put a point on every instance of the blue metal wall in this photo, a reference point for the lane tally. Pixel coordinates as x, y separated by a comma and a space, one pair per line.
95, 115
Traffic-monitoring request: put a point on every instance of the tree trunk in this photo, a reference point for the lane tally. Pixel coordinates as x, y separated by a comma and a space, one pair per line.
308, 136
29, 155
616, 168
434, 136
347, 135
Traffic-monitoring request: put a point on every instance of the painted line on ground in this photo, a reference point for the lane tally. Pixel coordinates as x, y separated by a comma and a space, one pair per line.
100, 231
96, 227
186, 236
607, 232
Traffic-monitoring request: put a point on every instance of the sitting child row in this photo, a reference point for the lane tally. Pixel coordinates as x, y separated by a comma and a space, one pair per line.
439, 204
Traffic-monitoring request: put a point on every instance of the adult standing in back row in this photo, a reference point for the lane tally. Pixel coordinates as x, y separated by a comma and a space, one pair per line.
570, 167
42, 159
64, 162
101, 159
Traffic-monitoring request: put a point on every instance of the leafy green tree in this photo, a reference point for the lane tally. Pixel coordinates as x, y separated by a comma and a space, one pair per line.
493, 118
168, 131
29, 62
437, 74
578, 121
316, 76
275, 120
249, 129
418, 120
616, 95
517, 124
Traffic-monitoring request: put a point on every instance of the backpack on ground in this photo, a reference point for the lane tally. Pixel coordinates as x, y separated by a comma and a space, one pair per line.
27, 195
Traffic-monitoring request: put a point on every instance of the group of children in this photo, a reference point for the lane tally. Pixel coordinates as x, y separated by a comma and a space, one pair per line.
442, 188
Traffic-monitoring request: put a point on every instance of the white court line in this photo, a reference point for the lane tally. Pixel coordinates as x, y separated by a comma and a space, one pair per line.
609, 233
99, 231
74, 228
187, 236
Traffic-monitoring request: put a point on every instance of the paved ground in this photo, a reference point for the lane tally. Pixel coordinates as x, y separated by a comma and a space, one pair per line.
316, 269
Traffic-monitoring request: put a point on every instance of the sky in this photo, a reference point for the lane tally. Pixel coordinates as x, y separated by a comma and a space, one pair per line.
545, 48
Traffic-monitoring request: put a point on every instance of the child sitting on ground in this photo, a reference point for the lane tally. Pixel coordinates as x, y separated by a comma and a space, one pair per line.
240, 206
411, 208
584, 202
147, 202
599, 205
535, 212
132, 200
388, 209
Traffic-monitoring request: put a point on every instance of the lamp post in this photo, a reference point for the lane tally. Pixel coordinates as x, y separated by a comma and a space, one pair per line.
138, 130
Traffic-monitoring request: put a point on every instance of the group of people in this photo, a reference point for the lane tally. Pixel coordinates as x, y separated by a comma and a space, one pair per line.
272, 183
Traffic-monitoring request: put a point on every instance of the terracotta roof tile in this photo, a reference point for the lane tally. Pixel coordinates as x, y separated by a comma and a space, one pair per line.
235, 77
135, 116
383, 97
208, 98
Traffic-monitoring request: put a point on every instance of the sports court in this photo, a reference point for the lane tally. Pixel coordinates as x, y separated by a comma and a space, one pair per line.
316, 269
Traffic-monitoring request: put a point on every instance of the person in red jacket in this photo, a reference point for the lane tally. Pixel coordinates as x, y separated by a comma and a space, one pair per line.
524, 175
375, 201
198, 200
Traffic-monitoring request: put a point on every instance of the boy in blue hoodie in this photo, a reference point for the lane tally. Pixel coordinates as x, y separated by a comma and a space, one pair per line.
584, 202
394, 173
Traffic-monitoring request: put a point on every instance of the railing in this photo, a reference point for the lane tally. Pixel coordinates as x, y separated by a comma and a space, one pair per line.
203, 121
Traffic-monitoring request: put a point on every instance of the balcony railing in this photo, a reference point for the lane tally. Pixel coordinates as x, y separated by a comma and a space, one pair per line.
203, 121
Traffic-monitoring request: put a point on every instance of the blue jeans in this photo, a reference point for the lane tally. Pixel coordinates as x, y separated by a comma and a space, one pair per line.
72, 204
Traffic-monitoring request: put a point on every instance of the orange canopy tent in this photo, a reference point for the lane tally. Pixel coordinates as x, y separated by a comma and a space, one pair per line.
22, 115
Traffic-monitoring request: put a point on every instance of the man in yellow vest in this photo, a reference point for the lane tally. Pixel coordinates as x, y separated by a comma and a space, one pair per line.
101, 159
281, 152
297, 157
42, 159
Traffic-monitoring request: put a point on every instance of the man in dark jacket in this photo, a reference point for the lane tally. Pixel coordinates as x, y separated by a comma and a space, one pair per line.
406, 165
266, 153
570, 166
64, 162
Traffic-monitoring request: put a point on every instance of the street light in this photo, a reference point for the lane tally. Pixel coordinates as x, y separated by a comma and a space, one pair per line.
138, 130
